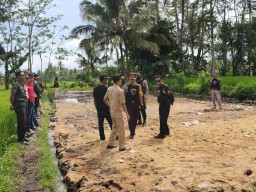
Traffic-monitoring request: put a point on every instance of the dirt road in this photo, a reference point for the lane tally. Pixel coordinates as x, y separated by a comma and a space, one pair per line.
219, 154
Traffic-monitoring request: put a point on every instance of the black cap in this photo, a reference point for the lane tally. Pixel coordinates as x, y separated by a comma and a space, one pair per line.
117, 77
139, 76
103, 76
30, 74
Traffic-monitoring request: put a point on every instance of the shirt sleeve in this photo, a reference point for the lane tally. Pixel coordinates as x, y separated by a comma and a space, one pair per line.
125, 89
140, 91
14, 89
145, 84
106, 95
121, 97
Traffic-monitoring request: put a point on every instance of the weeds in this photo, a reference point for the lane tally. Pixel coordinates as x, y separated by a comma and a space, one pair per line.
47, 170
7, 122
240, 88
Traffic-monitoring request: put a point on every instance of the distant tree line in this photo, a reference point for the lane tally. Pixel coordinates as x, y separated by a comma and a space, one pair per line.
26, 31
169, 36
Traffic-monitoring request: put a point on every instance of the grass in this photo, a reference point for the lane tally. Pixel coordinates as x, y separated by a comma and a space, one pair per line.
9, 177
10, 150
240, 88
7, 121
47, 170
71, 86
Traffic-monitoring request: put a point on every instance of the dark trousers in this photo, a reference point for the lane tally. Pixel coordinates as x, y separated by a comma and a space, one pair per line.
133, 110
164, 111
21, 113
31, 116
143, 113
36, 105
101, 116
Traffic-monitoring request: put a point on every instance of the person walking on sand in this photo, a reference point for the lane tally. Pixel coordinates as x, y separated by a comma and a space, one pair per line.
102, 109
215, 91
145, 89
115, 100
164, 100
19, 101
133, 96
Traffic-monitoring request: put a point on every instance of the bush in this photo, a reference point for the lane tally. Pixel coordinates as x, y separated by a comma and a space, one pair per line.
192, 88
241, 88
245, 92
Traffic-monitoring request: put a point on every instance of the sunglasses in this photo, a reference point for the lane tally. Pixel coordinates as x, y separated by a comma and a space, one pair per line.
157, 81
22, 75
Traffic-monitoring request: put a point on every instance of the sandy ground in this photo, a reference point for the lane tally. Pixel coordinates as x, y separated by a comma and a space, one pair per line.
217, 155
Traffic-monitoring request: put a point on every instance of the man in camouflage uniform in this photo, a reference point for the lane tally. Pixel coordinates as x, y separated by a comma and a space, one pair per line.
19, 102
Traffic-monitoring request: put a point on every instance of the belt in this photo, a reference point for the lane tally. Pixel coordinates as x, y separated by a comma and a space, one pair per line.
132, 102
20, 101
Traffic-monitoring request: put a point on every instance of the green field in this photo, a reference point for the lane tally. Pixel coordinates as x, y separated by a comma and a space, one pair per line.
7, 121
240, 88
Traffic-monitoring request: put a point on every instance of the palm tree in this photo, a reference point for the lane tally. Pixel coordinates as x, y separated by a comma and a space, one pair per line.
92, 54
116, 24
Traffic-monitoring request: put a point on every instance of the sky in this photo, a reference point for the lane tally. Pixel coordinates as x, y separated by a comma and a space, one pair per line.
71, 17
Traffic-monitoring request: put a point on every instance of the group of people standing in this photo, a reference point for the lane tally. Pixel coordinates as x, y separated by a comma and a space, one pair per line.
132, 99
25, 100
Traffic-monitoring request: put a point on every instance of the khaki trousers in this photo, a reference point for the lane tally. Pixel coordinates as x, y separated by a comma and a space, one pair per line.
216, 97
117, 128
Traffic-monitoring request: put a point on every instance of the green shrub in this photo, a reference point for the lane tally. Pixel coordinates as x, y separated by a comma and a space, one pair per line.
192, 88
241, 88
245, 92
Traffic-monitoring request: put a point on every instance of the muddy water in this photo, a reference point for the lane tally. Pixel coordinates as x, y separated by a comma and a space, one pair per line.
60, 186
76, 97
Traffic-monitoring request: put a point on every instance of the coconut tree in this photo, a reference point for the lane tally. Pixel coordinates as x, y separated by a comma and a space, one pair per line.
91, 52
119, 25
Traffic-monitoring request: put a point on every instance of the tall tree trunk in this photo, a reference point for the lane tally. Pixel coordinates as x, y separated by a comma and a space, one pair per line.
41, 61
122, 58
212, 39
182, 32
6, 75
176, 17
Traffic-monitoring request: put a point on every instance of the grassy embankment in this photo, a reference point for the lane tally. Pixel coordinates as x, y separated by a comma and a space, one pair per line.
47, 171
11, 151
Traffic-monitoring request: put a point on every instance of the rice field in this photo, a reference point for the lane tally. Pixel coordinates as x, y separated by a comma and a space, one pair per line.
7, 121
240, 88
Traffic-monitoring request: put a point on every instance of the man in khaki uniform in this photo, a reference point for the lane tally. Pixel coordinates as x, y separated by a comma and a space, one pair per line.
115, 99
215, 91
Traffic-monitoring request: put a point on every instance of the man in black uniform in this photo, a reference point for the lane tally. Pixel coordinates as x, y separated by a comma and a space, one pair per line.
19, 102
163, 98
133, 96
37, 93
102, 109
144, 85
215, 91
